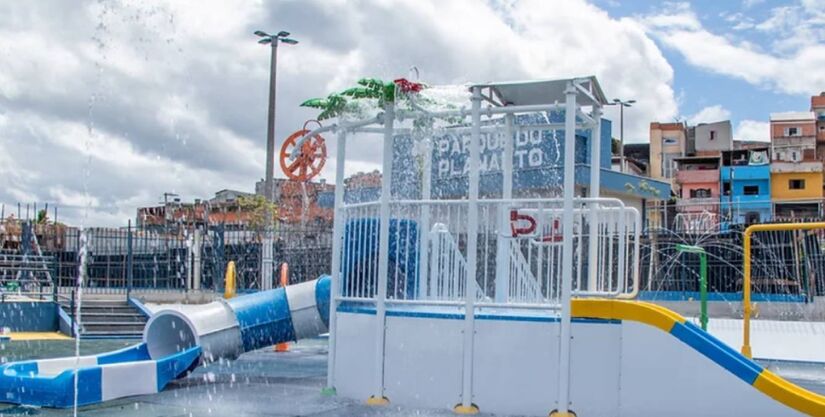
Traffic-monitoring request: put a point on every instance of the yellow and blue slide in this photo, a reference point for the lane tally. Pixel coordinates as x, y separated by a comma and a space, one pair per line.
763, 380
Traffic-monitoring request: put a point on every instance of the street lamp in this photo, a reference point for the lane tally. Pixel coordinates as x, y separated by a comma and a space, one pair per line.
272, 40
622, 104
266, 255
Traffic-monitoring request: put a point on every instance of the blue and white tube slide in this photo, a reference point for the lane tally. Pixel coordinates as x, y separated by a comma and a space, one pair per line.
175, 341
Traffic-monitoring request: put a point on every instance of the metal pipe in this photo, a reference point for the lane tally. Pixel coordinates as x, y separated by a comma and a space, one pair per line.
746, 281
567, 249
503, 247
472, 255
337, 252
378, 397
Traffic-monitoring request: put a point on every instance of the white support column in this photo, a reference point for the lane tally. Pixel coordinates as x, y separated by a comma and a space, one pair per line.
567, 247
267, 263
503, 246
595, 181
196, 259
383, 256
466, 405
424, 227
338, 227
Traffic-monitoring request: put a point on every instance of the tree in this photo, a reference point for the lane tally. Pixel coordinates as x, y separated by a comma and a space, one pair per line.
257, 207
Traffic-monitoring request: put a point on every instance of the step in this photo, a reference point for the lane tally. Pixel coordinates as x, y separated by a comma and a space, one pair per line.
110, 335
103, 319
112, 327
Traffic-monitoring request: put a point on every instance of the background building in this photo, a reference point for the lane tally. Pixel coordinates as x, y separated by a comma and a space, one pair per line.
746, 186
668, 141
796, 174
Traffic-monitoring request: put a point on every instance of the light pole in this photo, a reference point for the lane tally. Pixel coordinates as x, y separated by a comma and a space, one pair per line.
266, 255
273, 41
622, 104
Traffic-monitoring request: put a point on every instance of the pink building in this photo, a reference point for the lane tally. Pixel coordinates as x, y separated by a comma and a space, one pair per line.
698, 180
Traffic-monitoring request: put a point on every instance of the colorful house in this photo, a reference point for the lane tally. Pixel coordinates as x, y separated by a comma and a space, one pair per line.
668, 141
796, 174
698, 180
746, 186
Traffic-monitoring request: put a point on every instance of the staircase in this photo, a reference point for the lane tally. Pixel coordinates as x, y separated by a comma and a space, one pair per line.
108, 319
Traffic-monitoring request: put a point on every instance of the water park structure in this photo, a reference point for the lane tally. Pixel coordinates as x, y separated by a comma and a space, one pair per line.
498, 303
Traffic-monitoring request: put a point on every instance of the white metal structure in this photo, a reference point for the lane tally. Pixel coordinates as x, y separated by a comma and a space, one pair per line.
453, 242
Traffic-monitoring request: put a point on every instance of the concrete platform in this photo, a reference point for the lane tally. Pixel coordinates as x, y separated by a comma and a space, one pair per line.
776, 340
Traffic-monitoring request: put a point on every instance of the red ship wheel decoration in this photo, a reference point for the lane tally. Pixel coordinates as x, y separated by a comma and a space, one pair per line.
310, 159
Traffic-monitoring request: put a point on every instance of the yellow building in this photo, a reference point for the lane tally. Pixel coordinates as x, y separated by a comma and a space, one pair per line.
796, 186
796, 174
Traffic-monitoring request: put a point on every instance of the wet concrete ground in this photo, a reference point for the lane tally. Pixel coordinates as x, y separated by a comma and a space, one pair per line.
260, 383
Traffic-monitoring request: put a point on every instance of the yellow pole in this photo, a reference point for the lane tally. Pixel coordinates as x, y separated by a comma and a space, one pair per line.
283, 347
229, 281
746, 282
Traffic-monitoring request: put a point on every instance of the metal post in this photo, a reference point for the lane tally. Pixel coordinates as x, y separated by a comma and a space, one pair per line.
196, 260
339, 225
467, 406
129, 260
378, 397
567, 249
424, 227
503, 244
266, 246
621, 137
595, 184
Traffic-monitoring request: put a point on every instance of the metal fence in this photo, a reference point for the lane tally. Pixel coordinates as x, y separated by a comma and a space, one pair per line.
788, 264
121, 259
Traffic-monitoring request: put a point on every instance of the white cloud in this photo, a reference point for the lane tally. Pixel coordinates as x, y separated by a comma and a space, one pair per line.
752, 130
709, 114
791, 65
174, 93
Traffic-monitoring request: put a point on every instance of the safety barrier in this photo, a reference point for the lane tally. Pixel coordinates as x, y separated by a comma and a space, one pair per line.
517, 240
747, 266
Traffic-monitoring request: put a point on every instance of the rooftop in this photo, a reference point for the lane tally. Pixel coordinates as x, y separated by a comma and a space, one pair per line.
525, 93
792, 116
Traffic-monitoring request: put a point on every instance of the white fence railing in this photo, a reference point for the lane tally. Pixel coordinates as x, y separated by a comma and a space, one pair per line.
519, 251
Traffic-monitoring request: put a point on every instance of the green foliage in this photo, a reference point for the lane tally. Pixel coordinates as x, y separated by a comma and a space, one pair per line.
258, 207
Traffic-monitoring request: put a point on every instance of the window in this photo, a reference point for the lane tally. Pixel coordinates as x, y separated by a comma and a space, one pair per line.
750, 190
796, 184
712, 134
700, 193
669, 141
796, 156
669, 165
726, 188
792, 131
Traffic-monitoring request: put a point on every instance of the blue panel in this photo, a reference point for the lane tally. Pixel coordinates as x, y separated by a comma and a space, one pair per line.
718, 296
29, 316
89, 386
361, 245
264, 318
717, 351
175, 366
130, 354
322, 289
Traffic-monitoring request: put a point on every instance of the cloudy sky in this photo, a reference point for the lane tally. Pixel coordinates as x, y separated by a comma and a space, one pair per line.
109, 104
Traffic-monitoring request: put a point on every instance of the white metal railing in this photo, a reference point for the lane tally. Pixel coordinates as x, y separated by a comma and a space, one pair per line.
428, 244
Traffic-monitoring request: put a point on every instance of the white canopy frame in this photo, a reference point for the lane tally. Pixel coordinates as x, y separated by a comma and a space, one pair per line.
508, 99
